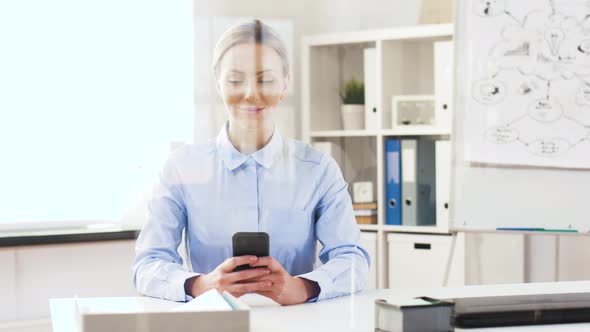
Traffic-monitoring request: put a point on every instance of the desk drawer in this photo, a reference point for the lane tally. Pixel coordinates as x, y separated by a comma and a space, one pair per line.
417, 260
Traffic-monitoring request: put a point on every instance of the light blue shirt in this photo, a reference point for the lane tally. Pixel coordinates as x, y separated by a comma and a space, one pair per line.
288, 189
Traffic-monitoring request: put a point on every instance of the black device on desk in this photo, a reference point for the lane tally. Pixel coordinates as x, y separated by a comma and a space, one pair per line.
250, 243
516, 310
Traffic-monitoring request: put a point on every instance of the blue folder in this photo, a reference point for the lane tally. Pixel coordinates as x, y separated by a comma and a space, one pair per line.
393, 185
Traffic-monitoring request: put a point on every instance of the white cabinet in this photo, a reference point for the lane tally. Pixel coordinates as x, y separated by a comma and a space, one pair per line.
417, 260
7, 284
573, 258
31, 275
495, 258
443, 83
443, 182
401, 61
69, 270
369, 242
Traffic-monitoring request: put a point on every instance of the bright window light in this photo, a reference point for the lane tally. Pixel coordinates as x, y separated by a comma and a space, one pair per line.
92, 93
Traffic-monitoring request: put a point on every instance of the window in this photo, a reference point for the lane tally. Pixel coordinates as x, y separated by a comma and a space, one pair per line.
92, 94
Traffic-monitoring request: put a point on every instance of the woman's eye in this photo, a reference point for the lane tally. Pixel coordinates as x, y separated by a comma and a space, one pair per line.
235, 82
266, 81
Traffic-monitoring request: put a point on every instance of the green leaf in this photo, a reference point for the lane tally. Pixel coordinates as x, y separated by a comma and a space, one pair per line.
353, 92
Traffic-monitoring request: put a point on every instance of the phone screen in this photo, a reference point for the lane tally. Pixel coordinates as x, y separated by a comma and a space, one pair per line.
250, 243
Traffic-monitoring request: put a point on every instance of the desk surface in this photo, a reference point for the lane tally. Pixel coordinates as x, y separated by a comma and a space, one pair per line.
350, 313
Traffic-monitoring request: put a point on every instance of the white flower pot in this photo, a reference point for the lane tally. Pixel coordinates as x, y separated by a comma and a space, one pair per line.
353, 117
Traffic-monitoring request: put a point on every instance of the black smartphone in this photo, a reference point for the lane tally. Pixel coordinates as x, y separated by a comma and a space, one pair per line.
250, 243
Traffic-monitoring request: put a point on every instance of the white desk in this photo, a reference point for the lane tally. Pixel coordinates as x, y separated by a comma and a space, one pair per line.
351, 313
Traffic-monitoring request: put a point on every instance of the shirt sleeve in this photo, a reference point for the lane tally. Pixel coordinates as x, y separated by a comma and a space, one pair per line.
157, 268
346, 263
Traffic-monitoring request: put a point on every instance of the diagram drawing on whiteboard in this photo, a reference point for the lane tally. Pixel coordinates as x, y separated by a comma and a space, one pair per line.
527, 99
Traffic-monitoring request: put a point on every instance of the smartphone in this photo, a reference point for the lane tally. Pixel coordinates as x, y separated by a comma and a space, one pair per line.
250, 243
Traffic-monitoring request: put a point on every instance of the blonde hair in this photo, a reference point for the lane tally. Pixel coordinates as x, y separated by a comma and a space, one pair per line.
250, 32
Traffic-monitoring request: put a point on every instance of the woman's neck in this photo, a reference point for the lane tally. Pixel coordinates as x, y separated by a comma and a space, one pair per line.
247, 140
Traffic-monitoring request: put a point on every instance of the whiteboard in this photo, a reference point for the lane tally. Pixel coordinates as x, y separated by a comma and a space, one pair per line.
521, 130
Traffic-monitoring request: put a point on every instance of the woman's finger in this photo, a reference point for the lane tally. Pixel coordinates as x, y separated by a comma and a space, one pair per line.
231, 263
272, 277
249, 287
269, 262
234, 277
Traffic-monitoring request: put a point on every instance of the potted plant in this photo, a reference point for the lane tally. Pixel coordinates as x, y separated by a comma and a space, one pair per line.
353, 105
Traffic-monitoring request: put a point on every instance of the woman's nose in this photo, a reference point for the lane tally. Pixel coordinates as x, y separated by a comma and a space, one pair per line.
251, 93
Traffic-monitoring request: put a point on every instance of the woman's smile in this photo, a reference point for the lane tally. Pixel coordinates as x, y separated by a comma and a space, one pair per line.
252, 108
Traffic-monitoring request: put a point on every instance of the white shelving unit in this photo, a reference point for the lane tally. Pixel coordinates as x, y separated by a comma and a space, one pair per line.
405, 66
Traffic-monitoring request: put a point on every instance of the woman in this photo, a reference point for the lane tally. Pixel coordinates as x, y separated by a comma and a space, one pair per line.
251, 179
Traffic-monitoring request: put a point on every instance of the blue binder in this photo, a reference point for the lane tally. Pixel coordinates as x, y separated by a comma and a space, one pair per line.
393, 182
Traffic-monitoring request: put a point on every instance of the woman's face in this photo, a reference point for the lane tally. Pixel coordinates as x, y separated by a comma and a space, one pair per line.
251, 84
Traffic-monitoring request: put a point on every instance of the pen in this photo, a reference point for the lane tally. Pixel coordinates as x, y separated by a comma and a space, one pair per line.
520, 229
560, 230
525, 229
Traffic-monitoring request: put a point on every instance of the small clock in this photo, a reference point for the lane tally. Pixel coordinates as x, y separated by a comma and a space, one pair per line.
362, 192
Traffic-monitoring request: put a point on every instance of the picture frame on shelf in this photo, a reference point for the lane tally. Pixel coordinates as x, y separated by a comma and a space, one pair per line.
413, 111
362, 192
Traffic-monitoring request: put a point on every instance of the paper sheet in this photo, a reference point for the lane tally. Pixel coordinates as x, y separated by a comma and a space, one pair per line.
208, 301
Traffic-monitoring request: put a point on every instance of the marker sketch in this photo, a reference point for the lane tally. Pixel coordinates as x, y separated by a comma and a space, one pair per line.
529, 100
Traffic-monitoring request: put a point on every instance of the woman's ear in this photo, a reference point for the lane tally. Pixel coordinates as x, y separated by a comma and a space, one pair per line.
287, 81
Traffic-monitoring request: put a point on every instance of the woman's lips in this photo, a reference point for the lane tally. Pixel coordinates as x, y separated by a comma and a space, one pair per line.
253, 109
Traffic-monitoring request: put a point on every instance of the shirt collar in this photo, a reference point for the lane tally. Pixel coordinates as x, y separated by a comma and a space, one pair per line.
233, 158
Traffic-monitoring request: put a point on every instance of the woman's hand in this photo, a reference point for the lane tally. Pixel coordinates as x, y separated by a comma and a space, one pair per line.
223, 278
285, 289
